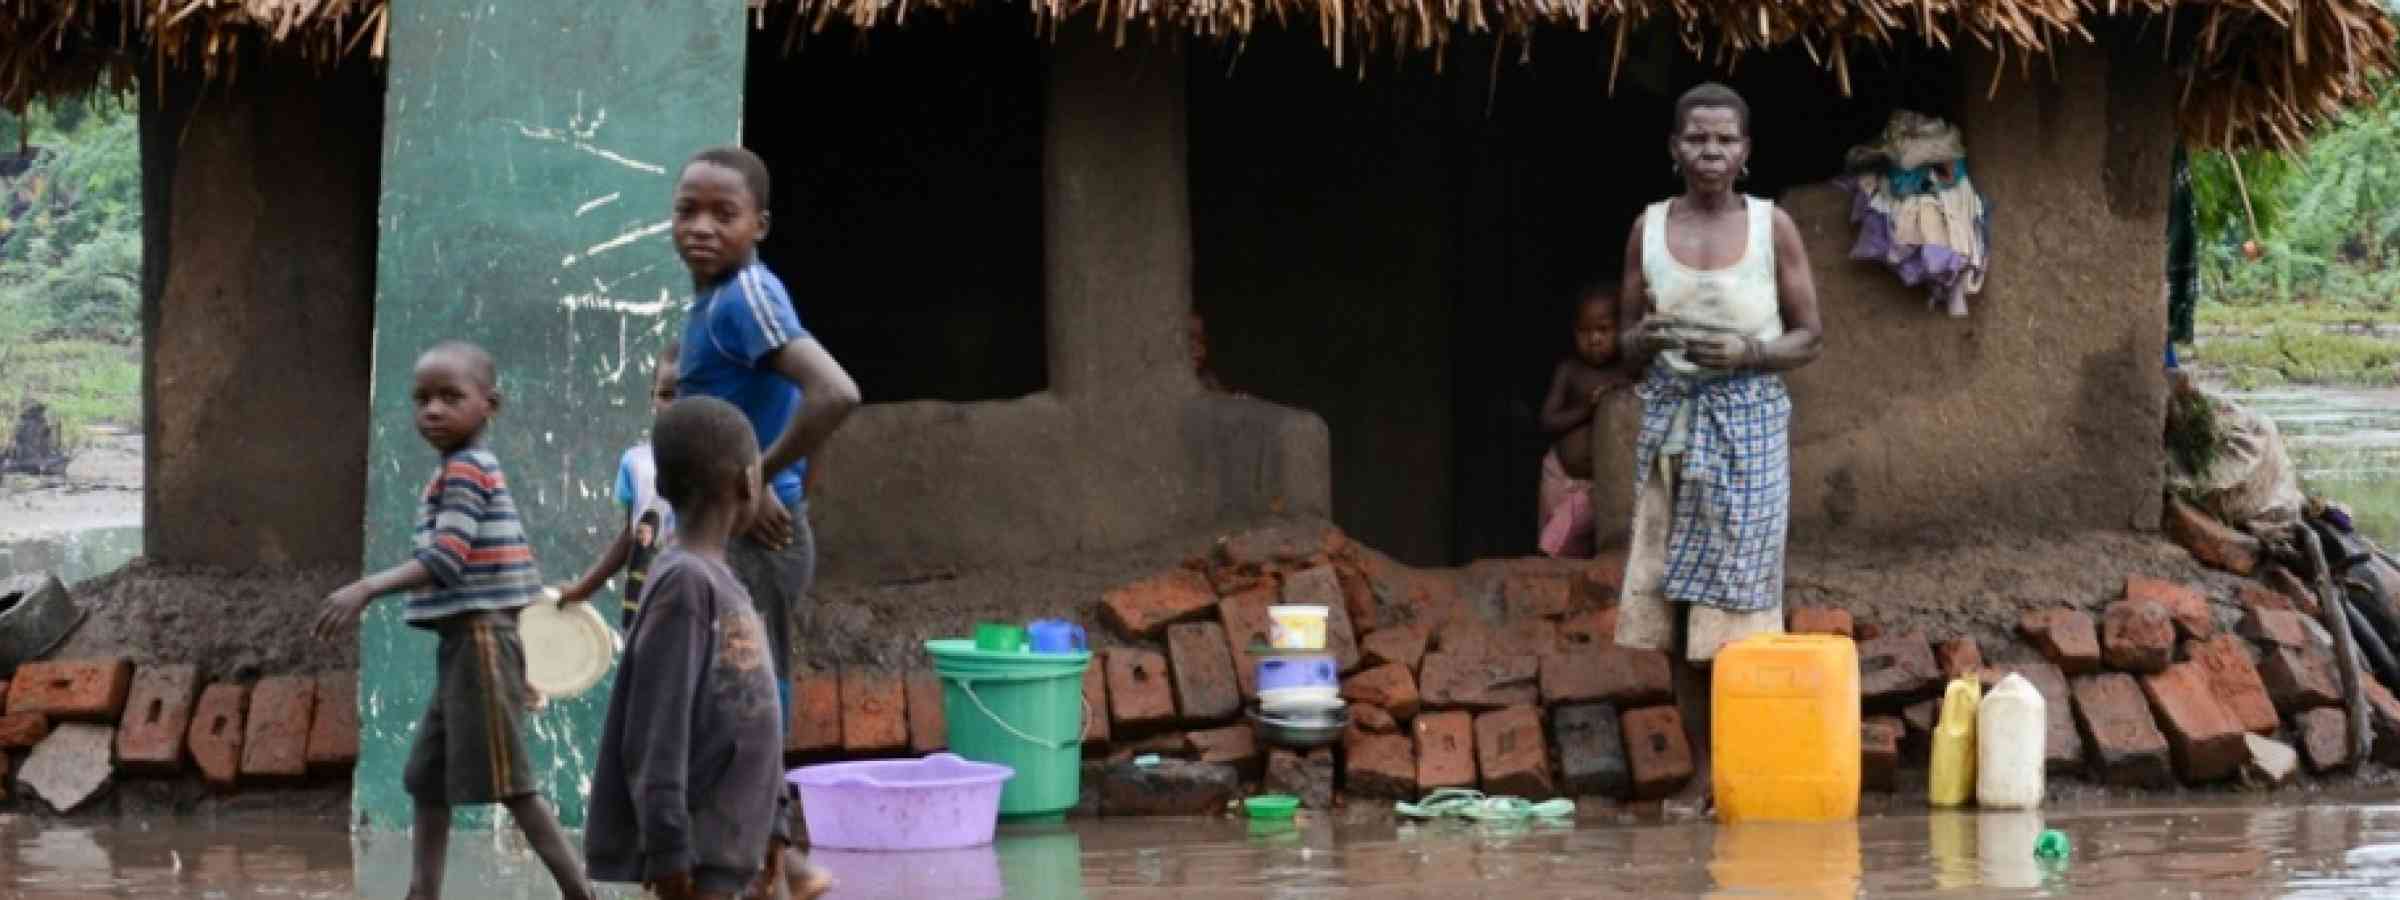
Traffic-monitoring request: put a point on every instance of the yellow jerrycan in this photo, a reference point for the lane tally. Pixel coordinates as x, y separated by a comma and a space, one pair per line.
1953, 776
1784, 730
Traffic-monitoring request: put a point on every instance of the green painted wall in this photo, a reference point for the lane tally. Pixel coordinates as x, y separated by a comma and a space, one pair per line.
527, 157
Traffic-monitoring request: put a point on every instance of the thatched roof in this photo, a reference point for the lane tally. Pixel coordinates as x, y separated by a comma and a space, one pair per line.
2260, 72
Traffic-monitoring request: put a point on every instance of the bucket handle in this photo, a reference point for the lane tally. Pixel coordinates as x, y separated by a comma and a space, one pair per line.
1083, 719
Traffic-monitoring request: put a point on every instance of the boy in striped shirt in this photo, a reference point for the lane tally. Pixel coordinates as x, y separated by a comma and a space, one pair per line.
469, 574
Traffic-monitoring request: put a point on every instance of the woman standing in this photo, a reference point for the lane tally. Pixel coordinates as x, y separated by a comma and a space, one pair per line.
1719, 300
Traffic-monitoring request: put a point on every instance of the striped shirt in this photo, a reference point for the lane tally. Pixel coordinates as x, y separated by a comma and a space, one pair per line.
471, 540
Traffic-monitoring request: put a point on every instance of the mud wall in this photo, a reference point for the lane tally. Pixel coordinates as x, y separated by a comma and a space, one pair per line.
258, 312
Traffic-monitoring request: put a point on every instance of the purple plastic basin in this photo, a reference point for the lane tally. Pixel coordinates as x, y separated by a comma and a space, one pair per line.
940, 802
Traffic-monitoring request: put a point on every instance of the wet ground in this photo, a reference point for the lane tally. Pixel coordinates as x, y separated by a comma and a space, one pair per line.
2233, 850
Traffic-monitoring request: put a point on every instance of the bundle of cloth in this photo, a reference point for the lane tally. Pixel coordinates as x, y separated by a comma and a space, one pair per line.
1917, 212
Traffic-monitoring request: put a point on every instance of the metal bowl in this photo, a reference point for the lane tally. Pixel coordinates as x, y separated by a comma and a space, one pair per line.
1301, 731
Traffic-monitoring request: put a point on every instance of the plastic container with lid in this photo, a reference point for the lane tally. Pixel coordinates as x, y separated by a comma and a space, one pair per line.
1952, 781
1785, 733
1297, 627
2011, 730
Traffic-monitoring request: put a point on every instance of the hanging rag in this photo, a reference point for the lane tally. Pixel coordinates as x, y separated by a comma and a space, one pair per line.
1461, 803
1917, 211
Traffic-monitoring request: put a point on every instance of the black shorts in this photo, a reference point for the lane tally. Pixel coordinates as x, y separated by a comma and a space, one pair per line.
470, 746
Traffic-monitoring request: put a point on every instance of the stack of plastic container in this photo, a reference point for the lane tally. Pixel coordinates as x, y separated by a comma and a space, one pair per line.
1299, 684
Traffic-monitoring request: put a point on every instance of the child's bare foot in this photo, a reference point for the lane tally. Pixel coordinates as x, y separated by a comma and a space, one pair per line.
808, 882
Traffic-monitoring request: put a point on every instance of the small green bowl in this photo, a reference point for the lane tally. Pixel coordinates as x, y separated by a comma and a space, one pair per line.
1271, 806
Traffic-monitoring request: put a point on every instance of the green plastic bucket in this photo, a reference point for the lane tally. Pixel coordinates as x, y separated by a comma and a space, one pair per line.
1020, 710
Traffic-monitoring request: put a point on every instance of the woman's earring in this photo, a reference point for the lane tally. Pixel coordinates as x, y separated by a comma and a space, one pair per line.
1745, 170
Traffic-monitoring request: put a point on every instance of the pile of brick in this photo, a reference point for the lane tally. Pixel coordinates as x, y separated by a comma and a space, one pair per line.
68, 726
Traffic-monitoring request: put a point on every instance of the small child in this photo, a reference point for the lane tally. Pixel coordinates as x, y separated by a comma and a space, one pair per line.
691, 756
470, 574
649, 520
1576, 389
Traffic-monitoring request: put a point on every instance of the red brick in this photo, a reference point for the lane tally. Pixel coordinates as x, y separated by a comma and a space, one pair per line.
2257, 596
2129, 750
1896, 669
1879, 751
1527, 596
2297, 594
2235, 681
1525, 637
1661, 754
1591, 750
1958, 657
874, 713
2300, 679
1206, 690
158, 717
1600, 581
1244, 617
1285, 545
1233, 745
1438, 598
1445, 750
1454, 680
275, 739
928, 729
1921, 716
1609, 675
1145, 608
75, 690
2213, 543
816, 725
1373, 719
1095, 701
333, 729
1309, 777
2207, 740
1389, 686
1396, 592
2277, 628
1512, 755
1400, 644
1139, 692
2193, 619
1379, 765
1590, 628
217, 728
22, 730
1465, 637
1866, 631
2383, 717
2324, 738
2065, 636
1358, 598
1321, 587
2137, 636
1819, 620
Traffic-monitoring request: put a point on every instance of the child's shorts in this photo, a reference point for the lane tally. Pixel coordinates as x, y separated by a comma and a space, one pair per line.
471, 745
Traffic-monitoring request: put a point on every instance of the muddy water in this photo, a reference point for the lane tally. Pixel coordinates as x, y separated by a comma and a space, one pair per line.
2217, 850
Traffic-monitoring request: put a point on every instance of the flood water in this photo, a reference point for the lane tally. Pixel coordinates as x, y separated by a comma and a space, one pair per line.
2233, 850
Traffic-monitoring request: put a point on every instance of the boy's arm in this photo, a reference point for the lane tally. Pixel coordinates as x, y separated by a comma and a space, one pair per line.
670, 654
466, 489
829, 396
611, 562
1562, 413
343, 606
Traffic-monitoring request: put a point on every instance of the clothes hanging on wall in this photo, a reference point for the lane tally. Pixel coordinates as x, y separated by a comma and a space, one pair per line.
1917, 211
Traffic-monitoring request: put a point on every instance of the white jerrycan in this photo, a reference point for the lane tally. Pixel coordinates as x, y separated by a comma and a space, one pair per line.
2011, 731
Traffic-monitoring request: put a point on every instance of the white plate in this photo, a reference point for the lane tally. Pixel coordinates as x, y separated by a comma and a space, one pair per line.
566, 650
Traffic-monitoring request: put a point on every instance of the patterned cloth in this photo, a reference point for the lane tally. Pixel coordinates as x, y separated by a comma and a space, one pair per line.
1732, 503
471, 541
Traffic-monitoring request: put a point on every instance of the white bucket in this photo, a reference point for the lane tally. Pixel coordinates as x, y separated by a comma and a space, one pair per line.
2011, 730
1296, 627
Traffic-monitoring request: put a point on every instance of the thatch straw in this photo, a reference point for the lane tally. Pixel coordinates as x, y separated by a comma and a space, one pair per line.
2261, 73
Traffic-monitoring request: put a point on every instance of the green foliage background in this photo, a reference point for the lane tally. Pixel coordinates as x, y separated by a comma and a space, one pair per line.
71, 263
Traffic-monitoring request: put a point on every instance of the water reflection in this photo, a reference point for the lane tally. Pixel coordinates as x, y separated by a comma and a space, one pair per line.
74, 557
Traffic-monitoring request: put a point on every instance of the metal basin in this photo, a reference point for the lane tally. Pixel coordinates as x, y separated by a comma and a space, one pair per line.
1301, 731
35, 614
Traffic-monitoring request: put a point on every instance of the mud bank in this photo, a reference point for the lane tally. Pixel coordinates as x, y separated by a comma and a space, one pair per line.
235, 626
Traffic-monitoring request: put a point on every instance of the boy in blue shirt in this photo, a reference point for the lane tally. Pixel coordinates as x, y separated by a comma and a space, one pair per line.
649, 519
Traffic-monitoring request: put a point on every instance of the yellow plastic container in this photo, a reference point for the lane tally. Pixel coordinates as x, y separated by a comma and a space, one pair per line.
1785, 734
1952, 781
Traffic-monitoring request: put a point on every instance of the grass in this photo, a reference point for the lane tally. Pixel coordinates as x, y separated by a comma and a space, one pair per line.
84, 383
2221, 318
2261, 346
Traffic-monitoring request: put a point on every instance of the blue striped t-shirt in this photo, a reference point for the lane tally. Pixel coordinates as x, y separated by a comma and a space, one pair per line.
470, 538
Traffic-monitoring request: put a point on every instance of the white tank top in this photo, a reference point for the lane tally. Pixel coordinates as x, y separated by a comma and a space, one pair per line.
1738, 299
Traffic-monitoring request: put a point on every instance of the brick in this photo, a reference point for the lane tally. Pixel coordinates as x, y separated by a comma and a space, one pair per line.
1173, 787
1095, 701
1145, 608
1896, 669
2324, 738
2213, 543
158, 717
333, 727
1309, 777
1866, 631
1438, 598
1600, 581
75, 690
2253, 595
1818, 620
1527, 596
2206, 739
2193, 618
1590, 628
874, 713
2383, 717
2137, 636
1465, 637
23, 730
816, 725
1379, 765
1879, 751
1525, 637
1657, 749
275, 735
2296, 593
1282, 545
1627, 678
1244, 617
1373, 719
1402, 645
2235, 681
1389, 686
2299, 680
1358, 598
1591, 750
1921, 717
1233, 745
70, 766
928, 729
217, 730
1958, 657
1395, 591
2277, 628
2066, 637
2116, 718
1452, 680
1513, 757
1321, 587
1139, 692
1206, 690
1445, 750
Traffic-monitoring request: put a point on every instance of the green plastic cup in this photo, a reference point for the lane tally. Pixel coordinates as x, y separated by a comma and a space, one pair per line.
999, 638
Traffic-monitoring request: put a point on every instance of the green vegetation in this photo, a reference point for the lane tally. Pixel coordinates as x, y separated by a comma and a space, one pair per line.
71, 263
